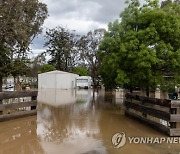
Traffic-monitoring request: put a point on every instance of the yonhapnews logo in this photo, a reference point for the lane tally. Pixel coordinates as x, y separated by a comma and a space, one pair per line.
120, 139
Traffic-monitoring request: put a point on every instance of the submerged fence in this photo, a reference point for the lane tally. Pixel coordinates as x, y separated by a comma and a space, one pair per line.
159, 113
13, 109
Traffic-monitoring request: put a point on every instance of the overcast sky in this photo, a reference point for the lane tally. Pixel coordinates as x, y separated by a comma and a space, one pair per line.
79, 15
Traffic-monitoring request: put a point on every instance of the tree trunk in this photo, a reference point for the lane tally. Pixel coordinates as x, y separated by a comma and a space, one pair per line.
1, 83
18, 86
108, 89
93, 100
147, 91
14, 83
131, 90
94, 82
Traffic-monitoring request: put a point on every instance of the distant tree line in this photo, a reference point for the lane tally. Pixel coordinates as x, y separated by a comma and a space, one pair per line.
139, 50
74, 53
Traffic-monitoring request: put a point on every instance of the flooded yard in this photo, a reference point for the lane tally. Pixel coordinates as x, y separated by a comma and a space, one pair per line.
78, 122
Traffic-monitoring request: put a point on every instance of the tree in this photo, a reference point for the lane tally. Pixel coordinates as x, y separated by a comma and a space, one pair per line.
62, 48
21, 67
143, 47
82, 71
36, 65
108, 48
47, 68
20, 22
89, 46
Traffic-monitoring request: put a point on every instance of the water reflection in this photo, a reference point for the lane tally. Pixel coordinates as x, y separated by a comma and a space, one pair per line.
56, 97
19, 136
71, 128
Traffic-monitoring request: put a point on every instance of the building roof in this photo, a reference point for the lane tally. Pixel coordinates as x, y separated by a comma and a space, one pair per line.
58, 72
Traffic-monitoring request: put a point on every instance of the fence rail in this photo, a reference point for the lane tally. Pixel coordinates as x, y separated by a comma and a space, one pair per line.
159, 113
15, 107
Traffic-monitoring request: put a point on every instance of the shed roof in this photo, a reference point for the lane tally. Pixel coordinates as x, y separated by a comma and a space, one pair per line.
58, 72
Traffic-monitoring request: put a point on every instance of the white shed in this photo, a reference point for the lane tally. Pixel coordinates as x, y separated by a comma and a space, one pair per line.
57, 79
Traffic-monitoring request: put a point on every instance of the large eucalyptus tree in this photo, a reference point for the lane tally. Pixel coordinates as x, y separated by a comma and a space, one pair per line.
20, 23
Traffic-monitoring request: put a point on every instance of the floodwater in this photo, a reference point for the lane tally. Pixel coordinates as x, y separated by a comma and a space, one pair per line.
78, 122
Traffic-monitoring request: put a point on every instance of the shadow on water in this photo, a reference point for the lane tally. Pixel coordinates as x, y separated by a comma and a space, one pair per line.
77, 122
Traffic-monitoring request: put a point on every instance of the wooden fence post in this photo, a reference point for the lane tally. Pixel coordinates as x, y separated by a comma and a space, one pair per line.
33, 98
1, 112
162, 109
144, 114
16, 105
173, 111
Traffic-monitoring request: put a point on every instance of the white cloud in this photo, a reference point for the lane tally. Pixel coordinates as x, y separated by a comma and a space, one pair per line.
81, 26
79, 15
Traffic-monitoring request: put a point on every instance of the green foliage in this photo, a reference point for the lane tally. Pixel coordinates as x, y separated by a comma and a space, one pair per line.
47, 68
20, 67
5, 62
108, 71
143, 47
82, 71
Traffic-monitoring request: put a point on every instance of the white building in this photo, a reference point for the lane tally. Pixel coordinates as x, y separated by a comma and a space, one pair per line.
57, 79
84, 82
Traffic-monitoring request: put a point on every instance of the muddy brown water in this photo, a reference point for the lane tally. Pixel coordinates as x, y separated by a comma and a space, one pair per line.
78, 122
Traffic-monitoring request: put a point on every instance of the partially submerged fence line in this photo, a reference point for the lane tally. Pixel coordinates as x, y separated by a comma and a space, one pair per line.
159, 113
16, 106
